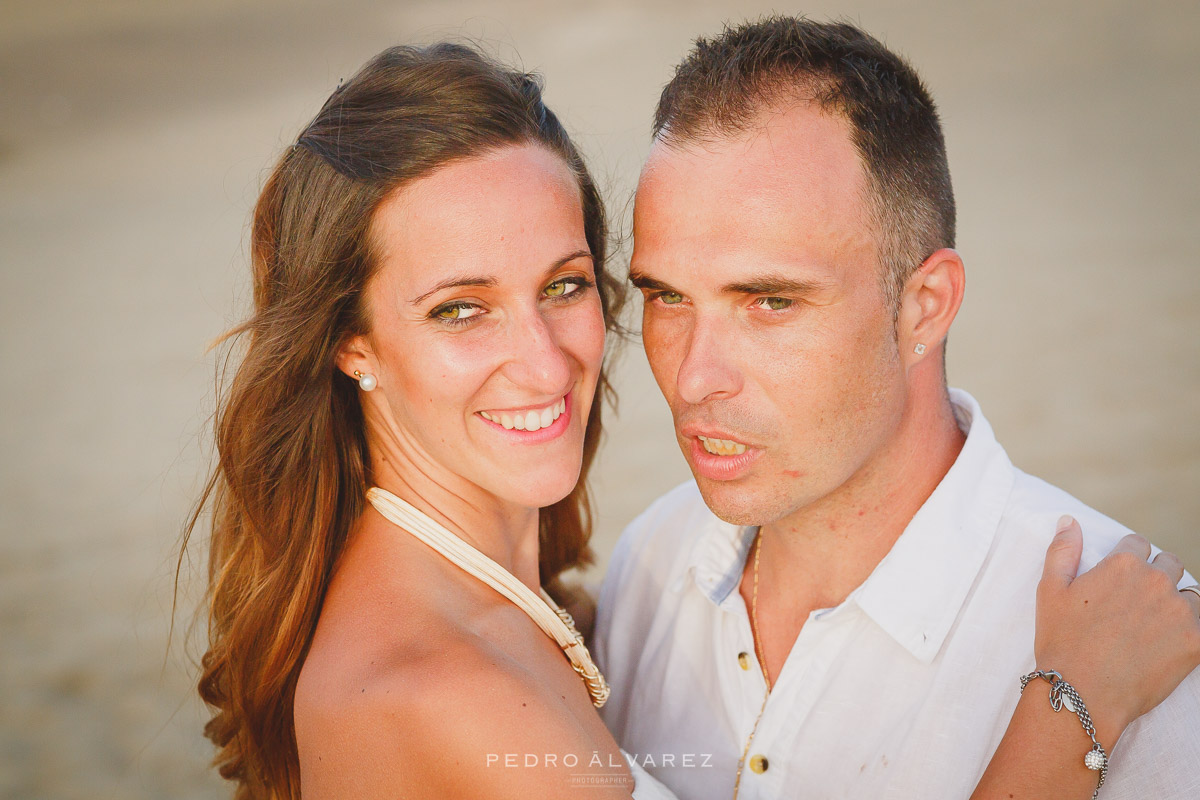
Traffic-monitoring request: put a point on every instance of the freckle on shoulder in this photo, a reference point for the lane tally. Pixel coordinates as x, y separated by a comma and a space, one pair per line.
414, 684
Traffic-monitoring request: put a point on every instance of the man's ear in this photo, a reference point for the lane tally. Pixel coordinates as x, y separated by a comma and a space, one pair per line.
355, 354
930, 301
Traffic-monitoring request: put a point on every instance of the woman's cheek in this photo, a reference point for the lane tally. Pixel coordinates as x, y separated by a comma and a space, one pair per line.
590, 336
463, 361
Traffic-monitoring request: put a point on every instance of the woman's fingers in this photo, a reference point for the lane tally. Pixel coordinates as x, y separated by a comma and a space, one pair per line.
1062, 556
1173, 567
1134, 545
1170, 564
1122, 619
1193, 599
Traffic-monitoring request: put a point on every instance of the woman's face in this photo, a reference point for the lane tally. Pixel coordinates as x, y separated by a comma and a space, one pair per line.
487, 334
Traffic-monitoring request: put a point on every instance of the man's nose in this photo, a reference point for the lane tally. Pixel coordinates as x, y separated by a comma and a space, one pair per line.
536, 362
708, 370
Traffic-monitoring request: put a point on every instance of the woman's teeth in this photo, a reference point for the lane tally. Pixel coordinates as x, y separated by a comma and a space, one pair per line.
722, 447
533, 420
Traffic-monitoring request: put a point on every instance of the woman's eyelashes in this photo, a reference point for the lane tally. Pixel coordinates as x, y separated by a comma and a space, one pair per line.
573, 287
462, 312
563, 288
458, 312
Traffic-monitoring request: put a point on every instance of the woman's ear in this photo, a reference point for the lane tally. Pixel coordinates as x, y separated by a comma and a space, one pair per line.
356, 356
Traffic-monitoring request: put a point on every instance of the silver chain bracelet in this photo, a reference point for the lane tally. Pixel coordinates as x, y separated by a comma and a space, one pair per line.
1064, 694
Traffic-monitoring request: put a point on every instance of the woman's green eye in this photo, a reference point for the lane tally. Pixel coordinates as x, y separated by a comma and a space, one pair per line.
564, 288
774, 303
457, 312
671, 298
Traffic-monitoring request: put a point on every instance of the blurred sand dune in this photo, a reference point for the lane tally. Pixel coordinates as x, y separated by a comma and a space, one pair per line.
133, 136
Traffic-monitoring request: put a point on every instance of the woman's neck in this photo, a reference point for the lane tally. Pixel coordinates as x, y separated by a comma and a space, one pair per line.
505, 532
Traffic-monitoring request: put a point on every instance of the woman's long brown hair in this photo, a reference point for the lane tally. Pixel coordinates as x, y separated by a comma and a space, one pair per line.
292, 465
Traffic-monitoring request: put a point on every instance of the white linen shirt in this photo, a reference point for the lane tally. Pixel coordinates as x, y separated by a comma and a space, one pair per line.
903, 691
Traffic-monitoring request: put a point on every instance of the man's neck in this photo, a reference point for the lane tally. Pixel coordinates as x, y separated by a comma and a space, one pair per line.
815, 557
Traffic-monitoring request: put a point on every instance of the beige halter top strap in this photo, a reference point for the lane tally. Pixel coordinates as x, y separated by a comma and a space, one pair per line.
554, 621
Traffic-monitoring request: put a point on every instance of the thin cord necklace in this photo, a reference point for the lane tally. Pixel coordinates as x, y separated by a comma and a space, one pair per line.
554, 620
762, 664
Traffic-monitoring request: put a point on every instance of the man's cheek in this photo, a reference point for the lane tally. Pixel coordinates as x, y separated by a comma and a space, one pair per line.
664, 359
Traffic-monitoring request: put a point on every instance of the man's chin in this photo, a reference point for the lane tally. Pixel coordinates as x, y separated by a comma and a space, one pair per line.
734, 503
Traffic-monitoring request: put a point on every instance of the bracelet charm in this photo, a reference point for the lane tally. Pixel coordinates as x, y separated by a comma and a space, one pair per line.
1096, 758
1064, 694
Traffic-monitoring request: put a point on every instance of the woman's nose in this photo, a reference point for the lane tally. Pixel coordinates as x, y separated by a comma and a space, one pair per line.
536, 361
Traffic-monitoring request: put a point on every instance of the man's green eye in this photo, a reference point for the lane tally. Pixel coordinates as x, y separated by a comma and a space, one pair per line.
775, 303
671, 298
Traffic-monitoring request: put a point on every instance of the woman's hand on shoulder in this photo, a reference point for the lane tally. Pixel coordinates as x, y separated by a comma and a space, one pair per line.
454, 725
1121, 633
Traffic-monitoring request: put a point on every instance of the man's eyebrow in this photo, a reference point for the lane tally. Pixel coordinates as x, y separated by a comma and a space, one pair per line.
775, 284
643, 281
768, 284
488, 281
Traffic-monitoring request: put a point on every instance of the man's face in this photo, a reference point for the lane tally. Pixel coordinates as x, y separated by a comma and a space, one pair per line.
764, 319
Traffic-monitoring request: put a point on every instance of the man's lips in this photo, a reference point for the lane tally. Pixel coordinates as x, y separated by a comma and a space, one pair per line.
720, 467
721, 447
717, 454
719, 436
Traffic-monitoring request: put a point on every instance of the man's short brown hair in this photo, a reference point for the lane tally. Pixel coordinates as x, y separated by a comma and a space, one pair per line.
724, 83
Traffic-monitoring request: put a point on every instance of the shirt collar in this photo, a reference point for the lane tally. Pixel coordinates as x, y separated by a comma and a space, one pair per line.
717, 559
917, 590
915, 593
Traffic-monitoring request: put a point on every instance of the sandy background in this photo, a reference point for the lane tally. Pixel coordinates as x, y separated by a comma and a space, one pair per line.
134, 135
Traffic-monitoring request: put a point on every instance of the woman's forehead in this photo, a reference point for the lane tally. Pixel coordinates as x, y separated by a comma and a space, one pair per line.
506, 209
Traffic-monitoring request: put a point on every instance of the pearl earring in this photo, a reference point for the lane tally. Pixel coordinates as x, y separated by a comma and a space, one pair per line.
919, 349
366, 381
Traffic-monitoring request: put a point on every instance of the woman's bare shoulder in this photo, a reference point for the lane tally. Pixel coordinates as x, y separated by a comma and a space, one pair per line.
442, 722
413, 687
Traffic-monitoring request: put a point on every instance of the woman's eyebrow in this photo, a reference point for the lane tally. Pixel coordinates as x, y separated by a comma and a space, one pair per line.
462, 280
567, 259
489, 281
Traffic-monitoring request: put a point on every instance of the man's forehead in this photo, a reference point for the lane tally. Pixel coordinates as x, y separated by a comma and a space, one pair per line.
798, 156
774, 138
790, 183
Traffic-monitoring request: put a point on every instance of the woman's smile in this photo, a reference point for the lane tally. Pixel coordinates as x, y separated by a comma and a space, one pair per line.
529, 420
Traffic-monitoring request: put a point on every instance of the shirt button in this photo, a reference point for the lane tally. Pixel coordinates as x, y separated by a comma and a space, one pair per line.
758, 764
744, 660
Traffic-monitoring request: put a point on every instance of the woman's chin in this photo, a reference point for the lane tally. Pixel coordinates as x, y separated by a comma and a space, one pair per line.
540, 492
546, 499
